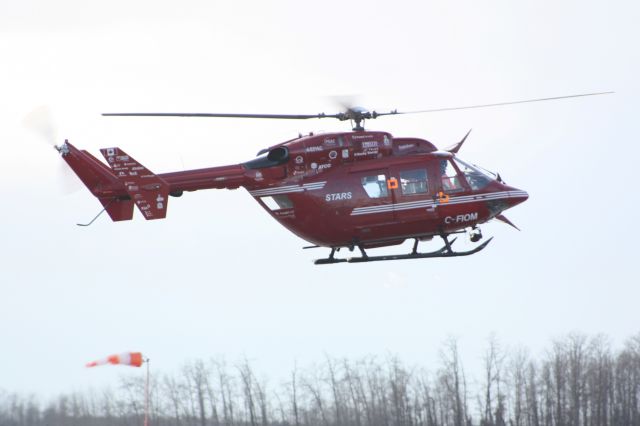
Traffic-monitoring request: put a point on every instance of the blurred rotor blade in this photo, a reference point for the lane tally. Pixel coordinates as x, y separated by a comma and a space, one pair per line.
222, 115
345, 102
495, 104
40, 122
66, 180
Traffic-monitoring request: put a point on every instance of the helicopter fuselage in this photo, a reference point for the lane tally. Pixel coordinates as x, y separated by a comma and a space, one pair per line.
373, 190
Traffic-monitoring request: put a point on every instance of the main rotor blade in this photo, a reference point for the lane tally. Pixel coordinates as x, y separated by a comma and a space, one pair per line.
378, 114
352, 113
222, 115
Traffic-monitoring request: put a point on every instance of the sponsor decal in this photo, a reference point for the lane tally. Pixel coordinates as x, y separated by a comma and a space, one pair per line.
334, 154
122, 158
324, 166
259, 175
387, 141
406, 146
314, 149
314, 166
299, 159
361, 137
365, 153
111, 152
330, 142
461, 218
345, 153
285, 214
133, 173
338, 196
369, 145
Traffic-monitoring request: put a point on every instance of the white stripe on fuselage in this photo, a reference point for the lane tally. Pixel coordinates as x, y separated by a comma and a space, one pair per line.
409, 205
288, 189
431, 203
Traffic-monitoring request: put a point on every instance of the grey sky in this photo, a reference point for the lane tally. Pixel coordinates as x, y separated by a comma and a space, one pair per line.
206, 281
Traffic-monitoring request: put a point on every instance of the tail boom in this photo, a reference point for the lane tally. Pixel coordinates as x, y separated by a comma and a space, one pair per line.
225, 177
126, 182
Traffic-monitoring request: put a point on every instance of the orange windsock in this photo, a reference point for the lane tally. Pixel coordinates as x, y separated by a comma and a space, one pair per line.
133, 359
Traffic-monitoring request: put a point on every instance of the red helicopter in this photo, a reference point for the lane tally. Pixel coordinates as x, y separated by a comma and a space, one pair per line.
360, 189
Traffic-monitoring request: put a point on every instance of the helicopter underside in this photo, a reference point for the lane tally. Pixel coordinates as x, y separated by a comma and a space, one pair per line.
350, 226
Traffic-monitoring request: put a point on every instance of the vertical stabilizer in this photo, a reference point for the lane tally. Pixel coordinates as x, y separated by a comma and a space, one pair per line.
148, 191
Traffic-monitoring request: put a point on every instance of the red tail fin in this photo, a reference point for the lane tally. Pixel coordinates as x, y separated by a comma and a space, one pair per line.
149, 192
99, 180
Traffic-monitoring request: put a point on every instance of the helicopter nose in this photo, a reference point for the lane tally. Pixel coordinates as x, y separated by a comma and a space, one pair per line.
517, 196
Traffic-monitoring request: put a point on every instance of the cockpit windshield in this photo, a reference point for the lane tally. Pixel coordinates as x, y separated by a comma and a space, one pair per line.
477, 177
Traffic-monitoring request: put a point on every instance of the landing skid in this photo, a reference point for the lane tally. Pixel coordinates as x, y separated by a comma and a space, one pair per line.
445, 251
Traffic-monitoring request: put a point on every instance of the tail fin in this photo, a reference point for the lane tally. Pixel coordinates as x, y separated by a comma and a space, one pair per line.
99, 179
119, 188
149, 192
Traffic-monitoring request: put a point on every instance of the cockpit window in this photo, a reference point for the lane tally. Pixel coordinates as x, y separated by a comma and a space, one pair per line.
450, 179
475, 176
413, 181
375, 186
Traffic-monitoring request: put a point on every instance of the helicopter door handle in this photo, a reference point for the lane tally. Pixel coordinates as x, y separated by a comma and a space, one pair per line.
392, 183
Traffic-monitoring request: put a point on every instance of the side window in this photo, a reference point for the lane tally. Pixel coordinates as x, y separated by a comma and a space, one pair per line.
414, 182
375, 186
450, 179
277, 202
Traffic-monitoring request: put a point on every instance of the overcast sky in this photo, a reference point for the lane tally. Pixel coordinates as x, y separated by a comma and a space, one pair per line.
219, 276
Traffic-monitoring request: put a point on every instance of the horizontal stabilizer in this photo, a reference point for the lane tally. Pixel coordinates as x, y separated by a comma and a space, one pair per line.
148, 191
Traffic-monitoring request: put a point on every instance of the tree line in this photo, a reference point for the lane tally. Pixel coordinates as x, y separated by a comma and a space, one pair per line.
578, 381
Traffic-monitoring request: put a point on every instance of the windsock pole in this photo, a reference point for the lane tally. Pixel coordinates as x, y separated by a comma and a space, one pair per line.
146, 395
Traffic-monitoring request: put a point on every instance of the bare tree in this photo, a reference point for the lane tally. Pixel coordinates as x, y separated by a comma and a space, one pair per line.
312, 385
452, 378
173, 394
246, 378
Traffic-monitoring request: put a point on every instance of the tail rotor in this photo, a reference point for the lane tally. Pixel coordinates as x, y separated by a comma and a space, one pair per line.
40, 122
